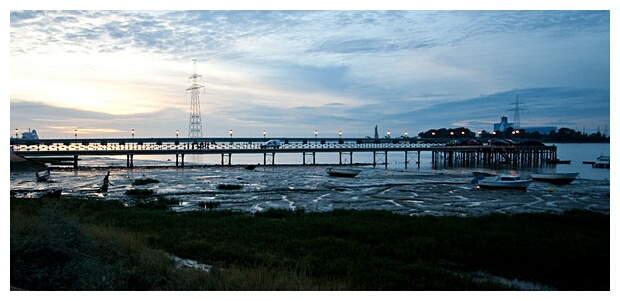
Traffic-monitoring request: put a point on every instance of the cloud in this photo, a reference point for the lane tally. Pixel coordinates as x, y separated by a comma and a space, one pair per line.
286, 69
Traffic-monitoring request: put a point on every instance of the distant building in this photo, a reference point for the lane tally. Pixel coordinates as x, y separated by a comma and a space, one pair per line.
504, 124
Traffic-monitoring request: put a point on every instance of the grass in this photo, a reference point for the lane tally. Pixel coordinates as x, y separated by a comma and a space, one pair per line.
92, 240
140, 192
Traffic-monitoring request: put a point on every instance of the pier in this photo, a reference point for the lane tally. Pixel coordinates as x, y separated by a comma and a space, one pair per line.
69, 151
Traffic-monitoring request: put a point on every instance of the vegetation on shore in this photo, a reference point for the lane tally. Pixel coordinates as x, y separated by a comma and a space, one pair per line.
562, 135
82, 244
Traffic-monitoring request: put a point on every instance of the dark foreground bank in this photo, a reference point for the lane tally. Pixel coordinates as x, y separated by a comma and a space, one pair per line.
81, 244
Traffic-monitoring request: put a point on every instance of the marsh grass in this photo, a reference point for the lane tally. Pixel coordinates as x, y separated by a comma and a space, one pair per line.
293, 250
140, 192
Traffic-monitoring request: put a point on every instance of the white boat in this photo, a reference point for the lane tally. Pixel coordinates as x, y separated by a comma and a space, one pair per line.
602, 162
43, 175
342, 172
504, 182
555, 178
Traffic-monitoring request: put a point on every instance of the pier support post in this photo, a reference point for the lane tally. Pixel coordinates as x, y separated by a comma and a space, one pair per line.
386, 159
130, 160
229, 158
75, 161
182, 159
418, 159
350, 158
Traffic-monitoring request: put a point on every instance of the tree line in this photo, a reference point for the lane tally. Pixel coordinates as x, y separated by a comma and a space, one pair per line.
562, 135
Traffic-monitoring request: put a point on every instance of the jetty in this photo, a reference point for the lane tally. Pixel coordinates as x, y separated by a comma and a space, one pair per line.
69, 151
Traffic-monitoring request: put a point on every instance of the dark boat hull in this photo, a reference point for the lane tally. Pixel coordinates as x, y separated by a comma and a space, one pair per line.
557, 179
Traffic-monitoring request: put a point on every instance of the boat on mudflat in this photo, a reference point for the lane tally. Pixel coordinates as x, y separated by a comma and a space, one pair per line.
342, 172
504, 182
43, 175
555, 178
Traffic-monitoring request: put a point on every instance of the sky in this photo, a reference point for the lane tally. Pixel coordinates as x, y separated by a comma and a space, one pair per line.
290, 72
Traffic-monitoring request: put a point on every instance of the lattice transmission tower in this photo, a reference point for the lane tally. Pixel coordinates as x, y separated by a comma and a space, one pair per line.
195, 122
517, 109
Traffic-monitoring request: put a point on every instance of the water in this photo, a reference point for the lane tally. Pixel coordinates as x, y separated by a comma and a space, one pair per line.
412, 191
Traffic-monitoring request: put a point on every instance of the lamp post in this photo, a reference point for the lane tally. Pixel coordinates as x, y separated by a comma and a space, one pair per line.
177, 134
230, 132
264, 135
75, 133
316, 132
406, 134
132, 133
340, 134
388, 134
16, 133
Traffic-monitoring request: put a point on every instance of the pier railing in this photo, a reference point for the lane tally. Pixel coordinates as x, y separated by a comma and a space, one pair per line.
71, 149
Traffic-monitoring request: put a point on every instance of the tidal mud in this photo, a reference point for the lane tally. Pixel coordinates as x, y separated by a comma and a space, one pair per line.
310, 188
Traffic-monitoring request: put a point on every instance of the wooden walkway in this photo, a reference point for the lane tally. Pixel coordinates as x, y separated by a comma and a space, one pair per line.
68, 151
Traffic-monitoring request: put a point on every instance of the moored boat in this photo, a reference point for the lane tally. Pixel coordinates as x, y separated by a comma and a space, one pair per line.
602, 162
557, 161
555, 178
342, 172
504, 182
43, 175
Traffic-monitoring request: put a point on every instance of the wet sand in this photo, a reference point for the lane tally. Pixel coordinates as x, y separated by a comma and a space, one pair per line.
309, 188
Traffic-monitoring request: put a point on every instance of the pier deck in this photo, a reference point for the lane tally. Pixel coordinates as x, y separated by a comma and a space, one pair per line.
69, 150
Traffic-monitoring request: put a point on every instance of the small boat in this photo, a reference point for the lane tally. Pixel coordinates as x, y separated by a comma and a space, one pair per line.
555, 178
504, 182
250, 167
602, 162
342, 172
43, 175
557, 161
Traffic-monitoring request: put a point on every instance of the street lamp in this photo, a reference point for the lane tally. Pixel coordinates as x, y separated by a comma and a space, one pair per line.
75, 133
264, 134
388, 134
231, 131
16, 133
177, 134
132, 133
406, 134
340, 134
316, 132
